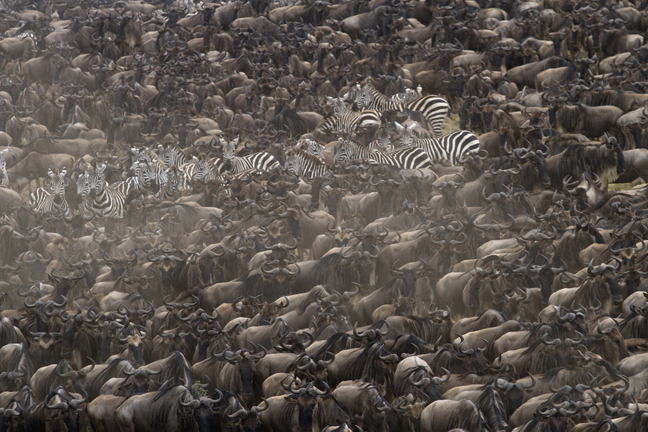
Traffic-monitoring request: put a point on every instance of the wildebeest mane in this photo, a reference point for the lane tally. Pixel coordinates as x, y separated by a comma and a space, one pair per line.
110, 372
336, 343
329, 270
580, 158
366, 365
310, 298
492, 406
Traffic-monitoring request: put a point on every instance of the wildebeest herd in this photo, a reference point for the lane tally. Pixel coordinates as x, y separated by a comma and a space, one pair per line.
265, 216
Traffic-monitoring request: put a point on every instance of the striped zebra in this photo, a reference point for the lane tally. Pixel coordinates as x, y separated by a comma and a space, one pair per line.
176, 180
154, 169
346, 121
304, 164
200, 168
233, 164
434, 108
51, 199
383, 141
451, 147
312, 147
407, 158
101, 199
171, 155
4, 178
136, 184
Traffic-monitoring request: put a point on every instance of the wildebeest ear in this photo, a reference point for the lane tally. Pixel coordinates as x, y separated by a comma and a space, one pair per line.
292, 398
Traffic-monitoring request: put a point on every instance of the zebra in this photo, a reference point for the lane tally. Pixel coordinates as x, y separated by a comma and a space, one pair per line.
176, 180
347, 121
4, 178
201, 168
305, 164
383, 142
171, 156
51, 199
451, 147
434, 108
232, 164
154, 169
312, 147
407, 158
101, 199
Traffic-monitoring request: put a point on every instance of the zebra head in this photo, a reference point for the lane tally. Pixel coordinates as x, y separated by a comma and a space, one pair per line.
384, 139
83, 185
339, 107
175, 177
406, 133
229, 148
4, 178
342, 154
315, 148
363, 95
171, 155
202, 168
98, 181
292, 162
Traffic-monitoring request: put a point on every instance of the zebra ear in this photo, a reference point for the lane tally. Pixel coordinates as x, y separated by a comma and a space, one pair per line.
399, 126
329, 98
235, 140
50, 173
194, 158
411, 126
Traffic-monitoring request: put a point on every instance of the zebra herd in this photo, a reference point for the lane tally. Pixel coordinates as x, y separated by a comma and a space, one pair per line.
168, 171
414, 153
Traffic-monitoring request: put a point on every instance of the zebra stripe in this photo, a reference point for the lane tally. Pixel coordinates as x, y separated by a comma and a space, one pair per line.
174, 186
154, 169
51, 199
451, 147
306, 165
409, 158
171, 156
232, 164
102, 199
199, 169
434, 108
350, 121
4, 179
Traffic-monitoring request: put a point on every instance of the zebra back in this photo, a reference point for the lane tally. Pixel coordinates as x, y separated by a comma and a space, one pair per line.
171, 155
367, 97
435, 109
451, 147
306, 165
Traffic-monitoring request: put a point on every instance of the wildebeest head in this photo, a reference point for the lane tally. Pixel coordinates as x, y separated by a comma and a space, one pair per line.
306, 399
603, 283
362, 263
245, 361
66, 407
476, 357
250, 420
170, 262
513, 393
71, 324
409, 276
